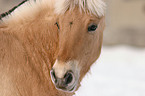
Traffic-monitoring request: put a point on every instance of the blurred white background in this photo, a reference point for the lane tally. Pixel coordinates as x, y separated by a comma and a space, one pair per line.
120, 71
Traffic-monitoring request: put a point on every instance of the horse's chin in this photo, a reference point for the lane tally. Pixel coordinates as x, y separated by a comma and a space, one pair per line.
69, 89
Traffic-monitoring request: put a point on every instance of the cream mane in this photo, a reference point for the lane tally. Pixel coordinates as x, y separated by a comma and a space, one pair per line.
28, 10
96, 7
31, 8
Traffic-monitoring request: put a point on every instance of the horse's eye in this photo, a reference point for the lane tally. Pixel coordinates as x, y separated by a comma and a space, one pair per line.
92, 27
57, 25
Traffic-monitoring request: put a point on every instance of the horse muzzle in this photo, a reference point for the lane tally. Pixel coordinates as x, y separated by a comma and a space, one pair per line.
64, 76
67, 83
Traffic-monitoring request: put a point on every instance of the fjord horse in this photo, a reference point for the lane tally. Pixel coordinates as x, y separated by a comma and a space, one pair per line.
47, 46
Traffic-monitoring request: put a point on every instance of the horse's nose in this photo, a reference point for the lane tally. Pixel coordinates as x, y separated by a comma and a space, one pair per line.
53, 77
68, 77
63, 83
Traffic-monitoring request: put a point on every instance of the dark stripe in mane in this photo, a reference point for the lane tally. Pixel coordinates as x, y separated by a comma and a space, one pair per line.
11, 10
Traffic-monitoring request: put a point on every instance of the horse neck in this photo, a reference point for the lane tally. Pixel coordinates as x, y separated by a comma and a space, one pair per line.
41, 42
39, 38
37, 31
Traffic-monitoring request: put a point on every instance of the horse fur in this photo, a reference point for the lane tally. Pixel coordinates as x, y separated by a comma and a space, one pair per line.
28, 37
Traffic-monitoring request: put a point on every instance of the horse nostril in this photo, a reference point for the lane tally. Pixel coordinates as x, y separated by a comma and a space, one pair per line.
53, 77
68, 78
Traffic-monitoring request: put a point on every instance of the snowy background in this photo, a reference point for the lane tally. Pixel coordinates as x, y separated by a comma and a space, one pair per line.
120, 71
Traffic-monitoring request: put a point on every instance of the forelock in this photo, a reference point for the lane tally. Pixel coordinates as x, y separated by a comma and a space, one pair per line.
95, 7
